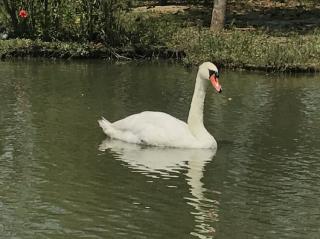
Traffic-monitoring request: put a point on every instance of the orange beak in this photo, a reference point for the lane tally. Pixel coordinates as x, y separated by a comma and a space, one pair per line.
215, 82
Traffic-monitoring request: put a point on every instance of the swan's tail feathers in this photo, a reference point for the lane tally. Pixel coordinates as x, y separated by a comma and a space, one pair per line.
115, 133
106, 126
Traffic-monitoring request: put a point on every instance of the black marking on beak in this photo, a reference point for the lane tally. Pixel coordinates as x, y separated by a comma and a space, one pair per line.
212, 72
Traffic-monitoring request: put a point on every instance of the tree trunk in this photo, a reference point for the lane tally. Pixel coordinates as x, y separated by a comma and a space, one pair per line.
218, 15
46, 24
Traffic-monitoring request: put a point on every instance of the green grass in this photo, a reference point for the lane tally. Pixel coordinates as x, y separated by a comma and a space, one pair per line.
249, 49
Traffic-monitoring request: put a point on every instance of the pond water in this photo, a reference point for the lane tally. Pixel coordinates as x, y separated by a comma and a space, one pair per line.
61, 178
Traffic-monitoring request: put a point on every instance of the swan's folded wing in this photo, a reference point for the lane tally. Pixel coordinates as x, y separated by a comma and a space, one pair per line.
156, 128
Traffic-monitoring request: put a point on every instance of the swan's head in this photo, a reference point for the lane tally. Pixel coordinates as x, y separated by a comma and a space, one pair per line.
209, 71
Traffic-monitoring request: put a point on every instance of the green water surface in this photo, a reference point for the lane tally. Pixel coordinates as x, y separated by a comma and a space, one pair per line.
61, 179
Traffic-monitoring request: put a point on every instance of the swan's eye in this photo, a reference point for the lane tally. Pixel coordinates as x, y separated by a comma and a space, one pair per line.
212, 72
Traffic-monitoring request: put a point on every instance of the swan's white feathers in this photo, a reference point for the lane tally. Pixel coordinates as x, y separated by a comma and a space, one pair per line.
152, 128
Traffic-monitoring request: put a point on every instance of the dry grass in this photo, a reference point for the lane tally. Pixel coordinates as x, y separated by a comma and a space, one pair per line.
172, 9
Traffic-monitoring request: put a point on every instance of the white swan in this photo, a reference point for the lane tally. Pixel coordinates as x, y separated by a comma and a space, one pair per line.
161, 129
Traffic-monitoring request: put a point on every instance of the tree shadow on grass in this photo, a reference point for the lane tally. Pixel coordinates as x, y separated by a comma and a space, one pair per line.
262, 14
277, 19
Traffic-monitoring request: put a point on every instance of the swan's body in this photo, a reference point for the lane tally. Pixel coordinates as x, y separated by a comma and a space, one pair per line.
155, 128
161, 129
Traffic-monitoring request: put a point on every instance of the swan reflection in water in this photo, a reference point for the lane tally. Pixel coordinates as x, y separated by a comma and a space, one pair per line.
165, 161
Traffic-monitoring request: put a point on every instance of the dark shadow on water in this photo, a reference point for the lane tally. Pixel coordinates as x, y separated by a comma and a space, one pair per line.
224, 143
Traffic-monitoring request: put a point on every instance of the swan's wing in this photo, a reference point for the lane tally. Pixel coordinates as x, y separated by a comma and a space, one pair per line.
151, 119
155, 128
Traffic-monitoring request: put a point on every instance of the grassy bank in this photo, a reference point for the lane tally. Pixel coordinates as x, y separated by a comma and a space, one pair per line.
274, 43
253, 50
232, 49
71, 50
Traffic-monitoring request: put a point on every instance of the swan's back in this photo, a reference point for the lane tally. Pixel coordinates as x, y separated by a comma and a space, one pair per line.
152, 128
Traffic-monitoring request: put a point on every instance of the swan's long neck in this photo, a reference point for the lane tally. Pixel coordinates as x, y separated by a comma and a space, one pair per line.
195, 118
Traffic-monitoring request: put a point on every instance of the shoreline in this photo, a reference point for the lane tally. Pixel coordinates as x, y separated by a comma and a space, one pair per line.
25, 48
269, 36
